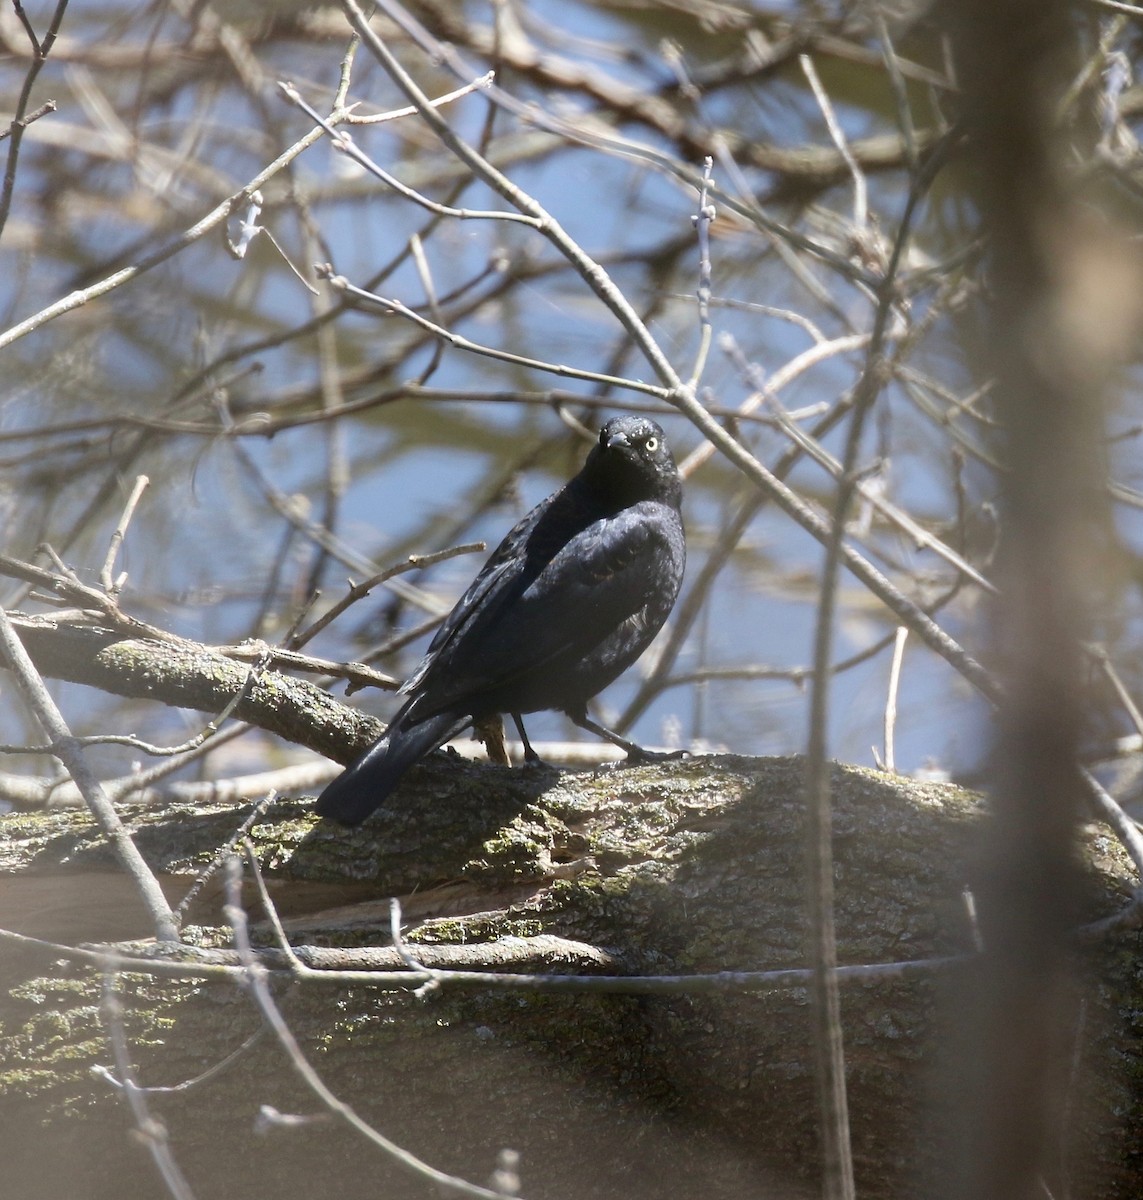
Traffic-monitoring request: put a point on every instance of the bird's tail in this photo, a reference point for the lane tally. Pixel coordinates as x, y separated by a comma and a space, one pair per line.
364, 785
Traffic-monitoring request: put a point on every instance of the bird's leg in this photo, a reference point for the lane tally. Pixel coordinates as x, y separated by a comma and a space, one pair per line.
530, 756
635, 752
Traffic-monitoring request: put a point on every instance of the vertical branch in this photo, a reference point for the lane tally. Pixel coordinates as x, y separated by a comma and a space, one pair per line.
110, 585
702, 222
890, 763
1064, 302
825, 1002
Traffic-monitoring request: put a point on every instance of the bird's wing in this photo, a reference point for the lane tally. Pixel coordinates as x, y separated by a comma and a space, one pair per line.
496, 581
604, 575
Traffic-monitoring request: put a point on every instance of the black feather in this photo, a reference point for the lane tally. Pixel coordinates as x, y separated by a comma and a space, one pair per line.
567, 602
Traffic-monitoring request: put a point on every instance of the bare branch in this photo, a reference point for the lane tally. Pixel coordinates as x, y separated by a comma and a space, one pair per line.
65, 749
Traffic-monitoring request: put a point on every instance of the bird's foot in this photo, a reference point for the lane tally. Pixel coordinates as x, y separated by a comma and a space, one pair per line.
531, 758
637, 754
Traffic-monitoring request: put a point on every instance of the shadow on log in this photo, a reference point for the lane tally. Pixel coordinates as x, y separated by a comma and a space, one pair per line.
674, 869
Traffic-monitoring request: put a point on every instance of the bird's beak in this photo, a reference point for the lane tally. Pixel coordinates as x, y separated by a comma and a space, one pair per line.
617, 439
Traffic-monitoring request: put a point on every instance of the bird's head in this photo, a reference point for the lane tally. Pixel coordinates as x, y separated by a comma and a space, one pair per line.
632, 460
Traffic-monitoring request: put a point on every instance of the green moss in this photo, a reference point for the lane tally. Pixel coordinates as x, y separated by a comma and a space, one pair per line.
462, 931
521, 850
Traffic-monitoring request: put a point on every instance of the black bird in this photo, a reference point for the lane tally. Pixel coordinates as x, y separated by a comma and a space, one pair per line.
568, 601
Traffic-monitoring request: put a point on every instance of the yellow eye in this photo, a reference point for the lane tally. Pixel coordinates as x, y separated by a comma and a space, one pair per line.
652, 444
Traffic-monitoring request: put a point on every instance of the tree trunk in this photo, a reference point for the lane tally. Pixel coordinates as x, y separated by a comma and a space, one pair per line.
686, 868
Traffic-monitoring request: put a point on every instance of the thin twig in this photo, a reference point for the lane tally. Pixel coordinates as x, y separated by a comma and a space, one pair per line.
151, 1131
268, 906
460, 342
72, 756
860, 188
255, 983
358, 591
1099, 653
838, 1176
703, 220
217, 216
410, 960
48, 106
344, 142
767, 389
891, 698
876, 499
1126, 830
114, 587
239, 837
21, 119
477, 85
899, 86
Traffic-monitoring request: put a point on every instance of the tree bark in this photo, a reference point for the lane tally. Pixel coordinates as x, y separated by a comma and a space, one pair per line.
676, 869
187, 674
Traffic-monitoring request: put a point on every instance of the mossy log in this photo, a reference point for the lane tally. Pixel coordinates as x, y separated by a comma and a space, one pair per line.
684, 868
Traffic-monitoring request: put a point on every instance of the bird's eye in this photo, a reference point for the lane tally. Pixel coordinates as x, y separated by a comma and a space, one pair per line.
652, 444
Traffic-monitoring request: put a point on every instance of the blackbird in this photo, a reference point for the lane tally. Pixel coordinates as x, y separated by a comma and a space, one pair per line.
568, 601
